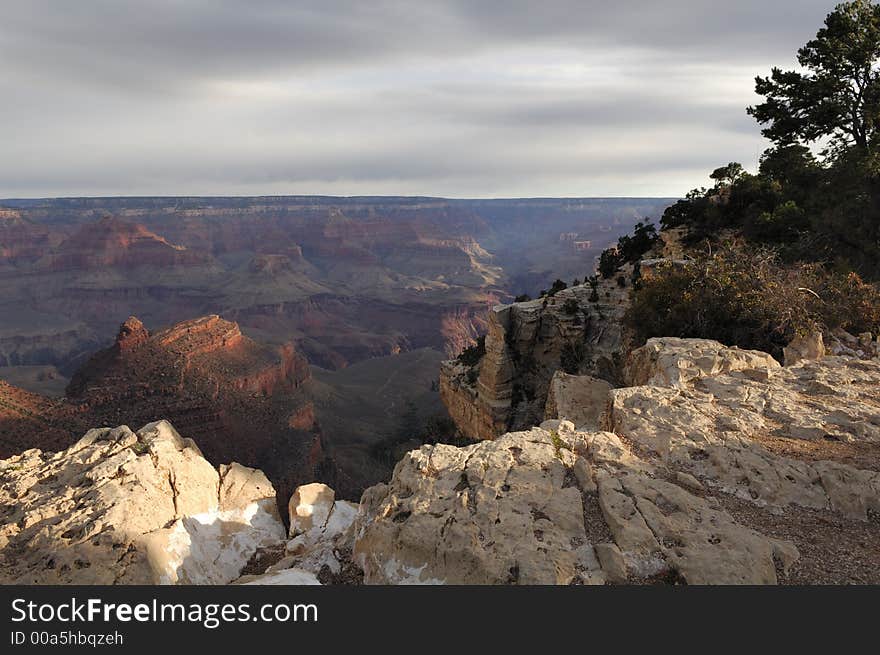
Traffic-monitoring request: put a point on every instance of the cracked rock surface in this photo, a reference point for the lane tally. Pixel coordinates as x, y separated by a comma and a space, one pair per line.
806, 435
120, 507
719, 467
551, 506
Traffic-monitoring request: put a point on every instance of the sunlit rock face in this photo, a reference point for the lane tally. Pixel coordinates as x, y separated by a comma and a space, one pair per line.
804, 435
550, 506
718, 466
120, 507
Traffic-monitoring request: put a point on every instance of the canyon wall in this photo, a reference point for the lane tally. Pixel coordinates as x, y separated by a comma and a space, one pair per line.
344, 279
577, 329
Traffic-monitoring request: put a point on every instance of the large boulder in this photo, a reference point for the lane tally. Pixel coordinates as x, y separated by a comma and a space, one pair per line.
805, 435
580, 399
804, 348
120, 507
309, 507
322, 533
670, 361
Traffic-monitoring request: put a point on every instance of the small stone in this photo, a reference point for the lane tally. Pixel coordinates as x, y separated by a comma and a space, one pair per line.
687, 480
612, 562
310, 507
583, 472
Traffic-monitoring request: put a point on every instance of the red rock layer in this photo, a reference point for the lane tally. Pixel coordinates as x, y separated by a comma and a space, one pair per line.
29, 420
238, 399
20, 239
112, 242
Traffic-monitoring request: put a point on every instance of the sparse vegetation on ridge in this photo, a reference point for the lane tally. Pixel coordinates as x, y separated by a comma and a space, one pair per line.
743, 296
793, 247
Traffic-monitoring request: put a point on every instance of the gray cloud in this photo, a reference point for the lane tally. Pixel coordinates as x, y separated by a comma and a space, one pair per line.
457, 98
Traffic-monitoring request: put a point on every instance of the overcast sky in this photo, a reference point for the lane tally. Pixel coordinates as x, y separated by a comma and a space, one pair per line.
458, 98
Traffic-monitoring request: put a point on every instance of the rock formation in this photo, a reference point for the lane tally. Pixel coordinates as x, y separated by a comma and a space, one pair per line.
120, 507
112, 242
673, 362
721, 466
526, 343
551, 506
806, 435
580, 399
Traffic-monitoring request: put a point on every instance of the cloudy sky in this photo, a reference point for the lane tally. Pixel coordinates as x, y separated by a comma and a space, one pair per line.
459, 98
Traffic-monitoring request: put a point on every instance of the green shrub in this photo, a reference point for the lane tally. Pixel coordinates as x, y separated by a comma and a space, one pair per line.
571, 307
573, 356
472, 355
744, 296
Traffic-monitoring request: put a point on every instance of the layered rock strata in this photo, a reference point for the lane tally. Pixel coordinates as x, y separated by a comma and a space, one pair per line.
576, 330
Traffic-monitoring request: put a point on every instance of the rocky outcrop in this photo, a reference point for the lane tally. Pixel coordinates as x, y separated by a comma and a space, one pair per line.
120, 507
580, 399
132, 334
550, 506
577, 330
720, 467
669, 361
805, 435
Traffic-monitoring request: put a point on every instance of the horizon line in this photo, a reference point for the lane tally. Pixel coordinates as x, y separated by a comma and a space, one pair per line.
335, 197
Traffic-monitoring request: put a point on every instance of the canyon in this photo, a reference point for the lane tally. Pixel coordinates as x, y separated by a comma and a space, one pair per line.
303, 435
709, 465
249, 310
344, 279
